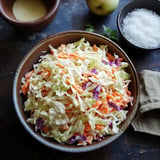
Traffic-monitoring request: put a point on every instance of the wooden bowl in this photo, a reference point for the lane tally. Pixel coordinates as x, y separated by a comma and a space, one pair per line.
6, 10
55, 40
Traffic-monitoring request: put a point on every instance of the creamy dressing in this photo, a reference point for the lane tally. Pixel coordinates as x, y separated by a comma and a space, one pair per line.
29, 10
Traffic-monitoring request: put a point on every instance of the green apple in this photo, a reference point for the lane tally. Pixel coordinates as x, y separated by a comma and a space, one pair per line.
102, 7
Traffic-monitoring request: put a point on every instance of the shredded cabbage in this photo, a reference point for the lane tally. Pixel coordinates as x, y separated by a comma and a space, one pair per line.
77, 93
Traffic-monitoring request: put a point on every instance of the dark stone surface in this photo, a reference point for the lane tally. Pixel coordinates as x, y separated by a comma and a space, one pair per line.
15, 143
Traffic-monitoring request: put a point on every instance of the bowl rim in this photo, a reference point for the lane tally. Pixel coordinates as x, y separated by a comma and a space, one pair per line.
66, 148
120, 28
51, 12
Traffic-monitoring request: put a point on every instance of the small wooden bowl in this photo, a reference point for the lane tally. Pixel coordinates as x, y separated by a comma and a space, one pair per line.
153, 5
56, 40
6, 7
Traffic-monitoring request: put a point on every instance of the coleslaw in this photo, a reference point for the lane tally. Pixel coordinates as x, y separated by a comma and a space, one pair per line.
78, 93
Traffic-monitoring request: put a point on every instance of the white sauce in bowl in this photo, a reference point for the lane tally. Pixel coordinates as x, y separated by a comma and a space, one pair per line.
142, 28
29, 10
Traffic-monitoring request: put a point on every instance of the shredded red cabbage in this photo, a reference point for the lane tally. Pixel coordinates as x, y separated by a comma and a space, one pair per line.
115, 106
99, 138
85, 85
39, 124
105, 62
111, 63
75, 139
117, 62
110, 125
96, 92
94, 71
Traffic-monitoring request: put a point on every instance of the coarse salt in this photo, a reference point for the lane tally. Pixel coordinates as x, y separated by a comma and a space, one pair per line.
142, 28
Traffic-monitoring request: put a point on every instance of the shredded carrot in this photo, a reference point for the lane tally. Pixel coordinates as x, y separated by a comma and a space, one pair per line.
45, 129
63, 55
25, 87
96, 104
91, 74
109, 97
46, 73
87, 127
85, 79
76, 56
99, 127
59, 65
114, 70
112, 110
94, 76
103, 108
63, 72
78, 88
95, 48
82, 58
68, 81
116, 94
116, 98
110, 57
128, 92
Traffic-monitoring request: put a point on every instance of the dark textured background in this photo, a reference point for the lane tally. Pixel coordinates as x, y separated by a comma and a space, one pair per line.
15, 143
